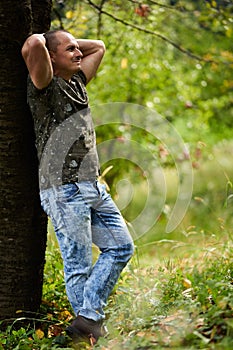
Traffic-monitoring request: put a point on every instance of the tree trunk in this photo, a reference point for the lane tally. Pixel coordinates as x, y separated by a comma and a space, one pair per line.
23, 225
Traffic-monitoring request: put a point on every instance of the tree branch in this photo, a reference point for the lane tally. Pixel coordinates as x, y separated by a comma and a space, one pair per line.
57, 14
138, 2
148, 31
100, 18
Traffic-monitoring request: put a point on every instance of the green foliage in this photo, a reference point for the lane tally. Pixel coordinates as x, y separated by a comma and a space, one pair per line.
26, 339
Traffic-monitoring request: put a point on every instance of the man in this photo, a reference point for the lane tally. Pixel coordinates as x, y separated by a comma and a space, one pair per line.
81, 210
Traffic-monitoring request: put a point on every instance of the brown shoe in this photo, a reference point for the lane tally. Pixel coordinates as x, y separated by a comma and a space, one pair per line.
86, 329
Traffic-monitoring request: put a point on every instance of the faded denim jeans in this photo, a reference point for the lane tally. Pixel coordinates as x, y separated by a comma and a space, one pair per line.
84, 213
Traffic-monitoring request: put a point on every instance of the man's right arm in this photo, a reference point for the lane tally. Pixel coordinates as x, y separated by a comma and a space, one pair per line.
37, 59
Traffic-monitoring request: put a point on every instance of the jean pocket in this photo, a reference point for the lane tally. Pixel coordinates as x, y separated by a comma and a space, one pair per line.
101, 188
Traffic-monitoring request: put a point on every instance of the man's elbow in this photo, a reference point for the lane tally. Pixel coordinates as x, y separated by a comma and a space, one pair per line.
34, 42
102, 47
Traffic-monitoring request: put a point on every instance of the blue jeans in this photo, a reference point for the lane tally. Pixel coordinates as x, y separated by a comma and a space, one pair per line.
84, 213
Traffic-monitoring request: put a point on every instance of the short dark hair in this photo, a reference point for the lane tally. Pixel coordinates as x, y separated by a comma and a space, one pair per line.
52, 41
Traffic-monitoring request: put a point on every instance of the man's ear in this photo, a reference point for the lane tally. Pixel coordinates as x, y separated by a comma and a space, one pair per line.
52, 56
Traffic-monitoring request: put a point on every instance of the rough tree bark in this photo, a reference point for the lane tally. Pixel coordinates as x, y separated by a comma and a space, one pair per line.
22, 223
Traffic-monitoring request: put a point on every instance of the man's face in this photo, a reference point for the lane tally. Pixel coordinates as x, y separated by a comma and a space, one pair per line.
67, 58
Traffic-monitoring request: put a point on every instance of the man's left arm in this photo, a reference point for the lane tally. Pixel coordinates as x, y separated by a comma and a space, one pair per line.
93, 52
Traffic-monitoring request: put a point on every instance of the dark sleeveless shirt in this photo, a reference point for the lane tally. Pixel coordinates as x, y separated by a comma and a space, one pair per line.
65, 136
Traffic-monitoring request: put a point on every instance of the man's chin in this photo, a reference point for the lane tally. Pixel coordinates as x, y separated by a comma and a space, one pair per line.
78, 68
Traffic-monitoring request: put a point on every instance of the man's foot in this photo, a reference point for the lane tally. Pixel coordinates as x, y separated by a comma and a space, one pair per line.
85, 329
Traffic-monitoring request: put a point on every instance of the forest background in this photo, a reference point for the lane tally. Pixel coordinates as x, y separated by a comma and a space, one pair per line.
164, 93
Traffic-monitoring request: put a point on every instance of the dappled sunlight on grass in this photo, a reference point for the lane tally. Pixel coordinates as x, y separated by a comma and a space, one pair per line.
174, 303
